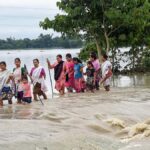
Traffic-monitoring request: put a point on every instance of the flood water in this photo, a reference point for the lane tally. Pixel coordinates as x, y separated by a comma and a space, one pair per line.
118, 120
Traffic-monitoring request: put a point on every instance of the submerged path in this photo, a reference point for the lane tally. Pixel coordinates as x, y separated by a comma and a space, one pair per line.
99, 121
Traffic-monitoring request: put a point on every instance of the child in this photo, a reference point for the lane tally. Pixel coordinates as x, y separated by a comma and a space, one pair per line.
91, 76
78, 75
106, 72
27, 98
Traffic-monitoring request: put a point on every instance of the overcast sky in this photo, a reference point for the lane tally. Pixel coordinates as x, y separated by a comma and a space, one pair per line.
20, 18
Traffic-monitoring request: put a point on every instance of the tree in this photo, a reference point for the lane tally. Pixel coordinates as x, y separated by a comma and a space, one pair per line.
95, 20
101, 20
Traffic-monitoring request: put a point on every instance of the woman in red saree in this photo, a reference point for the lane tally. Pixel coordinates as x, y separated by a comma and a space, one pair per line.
69, 73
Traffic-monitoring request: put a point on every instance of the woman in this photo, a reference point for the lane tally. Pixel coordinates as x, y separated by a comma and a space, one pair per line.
69, 73
96, 64
59, 75
78, 75
18, 73
38, 77
90, 80
5, 89
106, 72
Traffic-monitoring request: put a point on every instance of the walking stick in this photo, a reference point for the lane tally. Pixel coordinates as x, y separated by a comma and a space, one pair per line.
32, 82
50, 80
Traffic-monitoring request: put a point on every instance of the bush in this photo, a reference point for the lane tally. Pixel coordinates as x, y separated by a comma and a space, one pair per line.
146, 60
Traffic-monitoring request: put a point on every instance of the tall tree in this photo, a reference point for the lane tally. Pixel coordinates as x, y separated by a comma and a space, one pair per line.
97, 20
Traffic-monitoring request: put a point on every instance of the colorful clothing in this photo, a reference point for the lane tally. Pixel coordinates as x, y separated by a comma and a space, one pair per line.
59, 76
77, 71
69, 69
96, 65
80, 85
38, 76
6, 94
79, 79
5, 89
106, 66
26, 90
97, 68
18, 73
27, 97
90, 79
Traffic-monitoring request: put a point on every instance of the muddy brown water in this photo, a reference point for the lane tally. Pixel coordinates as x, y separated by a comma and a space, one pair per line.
76, 122
80, 121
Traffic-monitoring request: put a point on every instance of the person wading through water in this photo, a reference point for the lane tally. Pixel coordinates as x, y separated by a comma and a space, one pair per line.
69, 73
97, 67
59, 75
18, 73
106, 72
38, 77
78, 75
5, 88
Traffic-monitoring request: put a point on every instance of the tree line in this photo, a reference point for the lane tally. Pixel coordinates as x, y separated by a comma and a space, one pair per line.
43, 41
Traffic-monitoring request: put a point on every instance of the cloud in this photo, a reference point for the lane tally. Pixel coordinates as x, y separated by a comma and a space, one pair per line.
29, 3
20, 18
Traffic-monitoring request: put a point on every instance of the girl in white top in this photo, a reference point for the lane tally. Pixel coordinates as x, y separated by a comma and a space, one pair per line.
106, 72
18, 73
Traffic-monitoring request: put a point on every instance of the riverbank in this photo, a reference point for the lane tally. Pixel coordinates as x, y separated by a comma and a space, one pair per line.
99, 121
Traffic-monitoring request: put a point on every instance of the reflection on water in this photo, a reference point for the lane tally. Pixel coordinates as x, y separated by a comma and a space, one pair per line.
78, 121
140, 80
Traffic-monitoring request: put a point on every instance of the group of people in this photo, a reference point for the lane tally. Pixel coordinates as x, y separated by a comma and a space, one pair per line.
69, 74
17, 83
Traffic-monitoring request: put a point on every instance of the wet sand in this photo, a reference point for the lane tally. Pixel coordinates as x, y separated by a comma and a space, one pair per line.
78, 122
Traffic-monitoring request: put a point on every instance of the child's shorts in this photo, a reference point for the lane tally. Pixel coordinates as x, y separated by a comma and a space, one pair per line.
27, 99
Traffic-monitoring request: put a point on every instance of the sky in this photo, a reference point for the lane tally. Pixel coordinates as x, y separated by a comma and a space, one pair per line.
20, 18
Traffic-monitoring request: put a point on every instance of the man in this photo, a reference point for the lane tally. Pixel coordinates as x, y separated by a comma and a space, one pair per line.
106, 72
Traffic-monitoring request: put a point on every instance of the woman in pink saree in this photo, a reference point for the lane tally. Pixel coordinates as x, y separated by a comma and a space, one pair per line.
59, 75
69, 73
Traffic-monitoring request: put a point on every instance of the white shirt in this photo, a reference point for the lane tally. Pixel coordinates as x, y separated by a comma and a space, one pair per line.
105, 67
17, 75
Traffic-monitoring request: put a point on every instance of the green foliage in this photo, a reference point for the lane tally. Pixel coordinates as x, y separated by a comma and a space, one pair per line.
85, 52
43, 41
108, 23
88, 48
103, 21
146, 60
